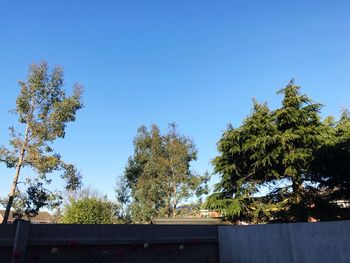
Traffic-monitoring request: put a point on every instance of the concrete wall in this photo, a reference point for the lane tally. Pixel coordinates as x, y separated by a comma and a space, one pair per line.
275, 243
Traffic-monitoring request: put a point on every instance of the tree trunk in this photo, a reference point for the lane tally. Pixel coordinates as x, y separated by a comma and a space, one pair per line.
174, 202
15, 178
13, 187
168, 204
297, 189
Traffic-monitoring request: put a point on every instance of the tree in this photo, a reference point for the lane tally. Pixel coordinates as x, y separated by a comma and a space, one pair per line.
122, 193
247, 160
29, 202
331, 165
88, 208
159, 174
298, 123
272, 149
43, 109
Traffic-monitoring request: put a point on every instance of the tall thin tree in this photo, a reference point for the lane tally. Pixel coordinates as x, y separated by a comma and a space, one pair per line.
44, 110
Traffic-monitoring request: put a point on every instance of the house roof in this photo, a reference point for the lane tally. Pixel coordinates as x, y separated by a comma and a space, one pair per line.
41, 217
188, 221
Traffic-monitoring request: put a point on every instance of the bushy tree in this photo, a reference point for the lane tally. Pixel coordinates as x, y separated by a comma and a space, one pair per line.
331, 165
282, 152
88, 208
247, 160
43, 110
300, 130
159, 174
122, 194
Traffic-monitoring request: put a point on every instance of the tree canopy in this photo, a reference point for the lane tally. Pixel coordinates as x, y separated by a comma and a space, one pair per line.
159, 173
331, 164
281, 165
43, 110
282, 153
87, 207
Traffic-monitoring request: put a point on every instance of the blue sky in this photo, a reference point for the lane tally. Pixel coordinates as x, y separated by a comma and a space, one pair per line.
197, 63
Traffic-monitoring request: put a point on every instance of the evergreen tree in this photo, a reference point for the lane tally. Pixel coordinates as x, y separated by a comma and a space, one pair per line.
274, 150
331, 165
248, 158
299, 126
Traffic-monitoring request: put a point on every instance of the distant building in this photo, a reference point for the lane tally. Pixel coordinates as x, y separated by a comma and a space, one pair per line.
209, 213
41, 218
188, 221
190, 211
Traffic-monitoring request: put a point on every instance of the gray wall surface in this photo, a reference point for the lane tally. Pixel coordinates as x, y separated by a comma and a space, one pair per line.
298, 243
26, 242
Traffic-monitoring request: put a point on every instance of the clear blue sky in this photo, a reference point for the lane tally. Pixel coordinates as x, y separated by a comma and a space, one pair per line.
194, 62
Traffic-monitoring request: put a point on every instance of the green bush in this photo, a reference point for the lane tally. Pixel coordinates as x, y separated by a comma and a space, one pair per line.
89, 210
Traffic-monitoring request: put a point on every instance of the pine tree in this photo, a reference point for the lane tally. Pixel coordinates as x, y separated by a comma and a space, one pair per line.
298, 123
271, 149
331, 165
248, 158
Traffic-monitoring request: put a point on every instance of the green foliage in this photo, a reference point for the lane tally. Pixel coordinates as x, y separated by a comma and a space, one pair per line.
159, 175
43, 109
331, 165
122, 193
299, 125
247, 160
35, 196
89, 210
287, 151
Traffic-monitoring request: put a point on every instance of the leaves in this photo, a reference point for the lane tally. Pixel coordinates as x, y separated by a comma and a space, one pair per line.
159, 174
44, 109
288, 148
89, 210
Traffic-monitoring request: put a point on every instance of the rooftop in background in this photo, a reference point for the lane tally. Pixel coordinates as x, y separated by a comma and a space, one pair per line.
41, 218
188, 221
